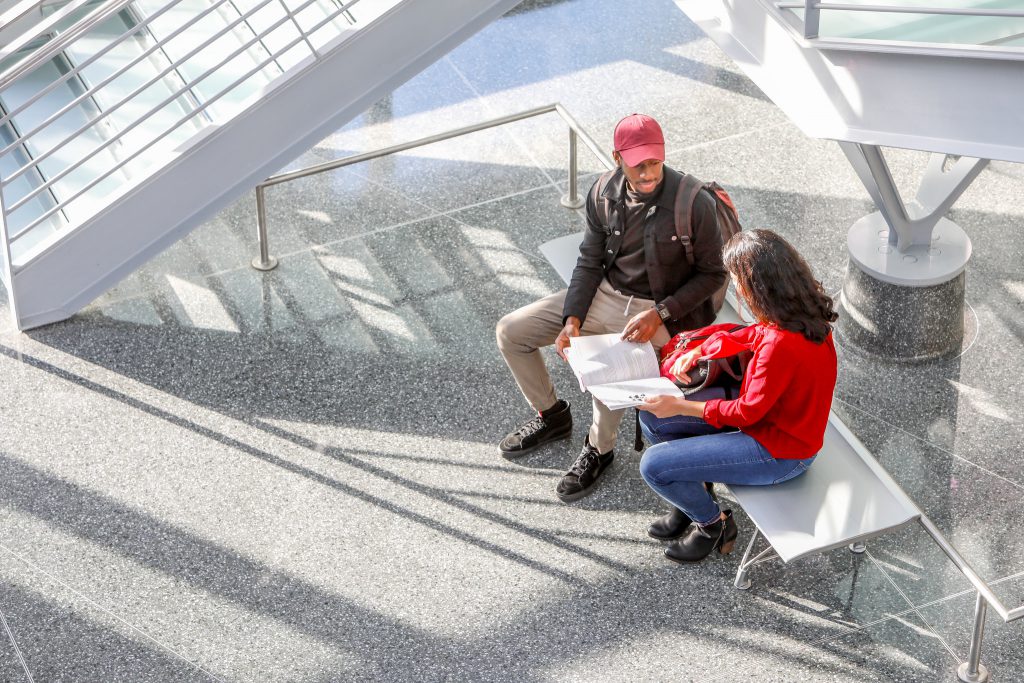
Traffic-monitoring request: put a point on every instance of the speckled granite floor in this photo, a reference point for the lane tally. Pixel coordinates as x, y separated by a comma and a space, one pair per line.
213, 473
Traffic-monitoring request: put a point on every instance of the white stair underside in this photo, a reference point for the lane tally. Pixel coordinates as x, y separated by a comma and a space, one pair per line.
224, 162
949, 100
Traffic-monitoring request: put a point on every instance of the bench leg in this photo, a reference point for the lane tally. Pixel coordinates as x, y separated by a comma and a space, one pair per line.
973, 671
742, 581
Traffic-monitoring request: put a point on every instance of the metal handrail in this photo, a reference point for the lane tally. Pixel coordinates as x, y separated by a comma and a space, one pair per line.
980, 585
17, 11
122, 158
571, 200
54, 47
904, 9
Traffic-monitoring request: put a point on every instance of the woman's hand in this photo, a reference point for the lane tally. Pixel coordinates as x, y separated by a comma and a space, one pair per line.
663, 406
667, 406
684, 363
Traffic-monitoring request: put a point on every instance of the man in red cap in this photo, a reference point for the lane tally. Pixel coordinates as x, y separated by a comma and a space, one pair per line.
633, 276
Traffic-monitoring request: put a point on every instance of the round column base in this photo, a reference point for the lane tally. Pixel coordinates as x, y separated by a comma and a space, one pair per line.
269, 264
904, 306
573, 203
979, 677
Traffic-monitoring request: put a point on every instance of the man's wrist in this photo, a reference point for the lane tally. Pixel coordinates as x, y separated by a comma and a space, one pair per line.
664, 315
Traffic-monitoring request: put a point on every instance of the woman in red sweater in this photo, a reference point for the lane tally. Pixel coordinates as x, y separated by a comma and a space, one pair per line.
776, 426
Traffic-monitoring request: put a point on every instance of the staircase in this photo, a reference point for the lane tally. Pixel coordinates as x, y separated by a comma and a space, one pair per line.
126, 124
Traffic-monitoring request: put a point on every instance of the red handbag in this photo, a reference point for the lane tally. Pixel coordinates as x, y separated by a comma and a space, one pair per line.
724, 372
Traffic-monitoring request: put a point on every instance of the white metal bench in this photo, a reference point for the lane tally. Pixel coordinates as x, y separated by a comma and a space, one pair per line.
845, 498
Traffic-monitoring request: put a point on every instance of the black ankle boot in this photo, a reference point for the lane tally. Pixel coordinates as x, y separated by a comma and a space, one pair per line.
699, 543
670, 526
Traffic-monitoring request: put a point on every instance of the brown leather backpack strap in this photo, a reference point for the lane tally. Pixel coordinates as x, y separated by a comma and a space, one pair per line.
685, 196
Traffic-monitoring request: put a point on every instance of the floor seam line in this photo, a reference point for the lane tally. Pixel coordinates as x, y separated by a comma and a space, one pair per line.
913, 607
491, 109
100, 607
17, 650
933, 445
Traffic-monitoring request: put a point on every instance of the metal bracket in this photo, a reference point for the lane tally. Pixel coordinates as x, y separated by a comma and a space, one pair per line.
911, 223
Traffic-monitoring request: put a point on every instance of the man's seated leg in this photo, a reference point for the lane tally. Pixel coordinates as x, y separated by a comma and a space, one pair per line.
521, 334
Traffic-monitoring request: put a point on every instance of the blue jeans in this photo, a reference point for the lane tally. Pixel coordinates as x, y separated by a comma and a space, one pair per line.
687, 452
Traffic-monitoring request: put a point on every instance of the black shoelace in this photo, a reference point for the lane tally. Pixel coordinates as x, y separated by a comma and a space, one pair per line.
531, 427
587, 459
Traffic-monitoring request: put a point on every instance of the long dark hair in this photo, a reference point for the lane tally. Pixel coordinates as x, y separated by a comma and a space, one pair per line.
777, 284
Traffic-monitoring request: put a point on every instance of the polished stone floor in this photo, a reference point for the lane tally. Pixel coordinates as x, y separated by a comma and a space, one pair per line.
213, 473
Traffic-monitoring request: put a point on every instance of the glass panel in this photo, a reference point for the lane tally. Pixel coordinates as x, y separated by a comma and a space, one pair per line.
119, 91
20, 187
211, 55
55, 135
926, 28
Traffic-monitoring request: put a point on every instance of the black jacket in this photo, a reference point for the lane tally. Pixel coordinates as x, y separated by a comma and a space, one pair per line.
685, 290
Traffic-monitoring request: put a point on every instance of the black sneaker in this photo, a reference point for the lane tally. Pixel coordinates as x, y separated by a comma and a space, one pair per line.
553, 424
579, 481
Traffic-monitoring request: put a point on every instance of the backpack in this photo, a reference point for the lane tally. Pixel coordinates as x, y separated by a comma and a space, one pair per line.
725, 211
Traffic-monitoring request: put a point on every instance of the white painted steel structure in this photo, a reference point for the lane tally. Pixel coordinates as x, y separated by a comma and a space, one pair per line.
124, 125
940, 79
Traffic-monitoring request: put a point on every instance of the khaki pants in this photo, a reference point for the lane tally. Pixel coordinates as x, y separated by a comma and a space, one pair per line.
522, 333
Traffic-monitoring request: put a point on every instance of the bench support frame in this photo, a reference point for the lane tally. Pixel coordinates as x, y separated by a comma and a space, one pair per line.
742, 581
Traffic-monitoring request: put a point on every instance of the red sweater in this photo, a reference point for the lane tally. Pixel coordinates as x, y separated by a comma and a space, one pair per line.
786, 393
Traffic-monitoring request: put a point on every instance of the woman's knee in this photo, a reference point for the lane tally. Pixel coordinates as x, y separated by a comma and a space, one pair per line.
649, 428
654, 462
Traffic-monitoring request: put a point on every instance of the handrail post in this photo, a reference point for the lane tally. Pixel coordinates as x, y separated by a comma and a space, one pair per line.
572, 200
265, 261
973, 671
812, 18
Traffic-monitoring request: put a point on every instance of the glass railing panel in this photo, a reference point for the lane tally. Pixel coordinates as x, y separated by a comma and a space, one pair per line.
277, 30
209, 43
66, 140
19, 188
139, 85
126, 96
922, 27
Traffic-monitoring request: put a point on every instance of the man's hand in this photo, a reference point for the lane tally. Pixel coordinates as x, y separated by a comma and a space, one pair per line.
684, 363
570, 330
642, 326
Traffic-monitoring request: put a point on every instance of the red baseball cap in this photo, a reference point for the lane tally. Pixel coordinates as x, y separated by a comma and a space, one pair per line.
638, 138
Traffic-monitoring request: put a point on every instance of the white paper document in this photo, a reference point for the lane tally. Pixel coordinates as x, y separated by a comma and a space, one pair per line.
618, 373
